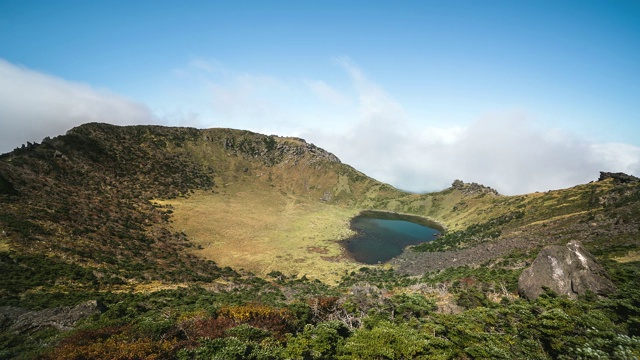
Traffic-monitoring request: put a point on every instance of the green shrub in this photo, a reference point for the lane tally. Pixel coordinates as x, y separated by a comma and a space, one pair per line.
386, 341
317, 342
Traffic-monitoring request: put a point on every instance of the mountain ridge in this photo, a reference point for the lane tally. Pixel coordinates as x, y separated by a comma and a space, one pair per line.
136, 165
196, 230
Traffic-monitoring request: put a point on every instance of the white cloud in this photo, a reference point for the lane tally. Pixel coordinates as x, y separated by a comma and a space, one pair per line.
369, 129
34, 105
373, 101
326, 92
246, 96
220, 96
505, 151
616, 157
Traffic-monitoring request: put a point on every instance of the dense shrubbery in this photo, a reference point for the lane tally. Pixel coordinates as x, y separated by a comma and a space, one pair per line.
25, 272
399, 322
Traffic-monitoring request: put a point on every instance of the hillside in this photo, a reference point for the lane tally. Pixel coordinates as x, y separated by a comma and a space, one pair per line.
100, 187
200, 242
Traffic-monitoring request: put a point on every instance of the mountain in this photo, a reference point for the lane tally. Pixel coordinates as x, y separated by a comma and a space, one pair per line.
197, 230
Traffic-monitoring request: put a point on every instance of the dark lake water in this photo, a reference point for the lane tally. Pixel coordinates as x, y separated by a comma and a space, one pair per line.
382, 236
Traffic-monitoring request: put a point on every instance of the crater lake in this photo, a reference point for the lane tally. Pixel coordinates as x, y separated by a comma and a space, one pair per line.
381, 236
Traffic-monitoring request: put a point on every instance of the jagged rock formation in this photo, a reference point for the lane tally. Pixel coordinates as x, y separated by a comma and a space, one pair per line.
472, 188
618, 178
62, 318
567, 270
271, 149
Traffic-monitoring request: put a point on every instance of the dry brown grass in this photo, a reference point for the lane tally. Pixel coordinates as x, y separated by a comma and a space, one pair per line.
631, 256
261, 230
4, 244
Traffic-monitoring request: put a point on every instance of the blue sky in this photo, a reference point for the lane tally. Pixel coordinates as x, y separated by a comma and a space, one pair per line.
520, 95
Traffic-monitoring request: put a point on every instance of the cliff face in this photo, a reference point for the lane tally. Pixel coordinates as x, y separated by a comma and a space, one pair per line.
619, 178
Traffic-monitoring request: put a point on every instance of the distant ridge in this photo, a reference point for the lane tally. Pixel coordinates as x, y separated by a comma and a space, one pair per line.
89, 197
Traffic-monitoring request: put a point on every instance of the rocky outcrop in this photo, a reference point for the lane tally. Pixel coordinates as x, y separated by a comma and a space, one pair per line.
271, 149
61, 318
619, 178
567, 270
472, 188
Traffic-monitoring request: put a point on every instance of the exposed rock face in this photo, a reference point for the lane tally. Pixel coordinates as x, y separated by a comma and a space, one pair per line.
61, 318
567, 270
472, 188
273, 149
620, 178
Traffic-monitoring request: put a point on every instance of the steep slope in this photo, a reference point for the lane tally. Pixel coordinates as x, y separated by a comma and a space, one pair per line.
87, 197
83, 199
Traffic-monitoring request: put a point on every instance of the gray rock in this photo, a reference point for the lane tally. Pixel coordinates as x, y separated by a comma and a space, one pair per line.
567, 270
61, 318
9, 315
618, 178
472, 188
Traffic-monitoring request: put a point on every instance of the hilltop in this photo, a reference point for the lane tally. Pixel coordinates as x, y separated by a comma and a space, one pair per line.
234, 236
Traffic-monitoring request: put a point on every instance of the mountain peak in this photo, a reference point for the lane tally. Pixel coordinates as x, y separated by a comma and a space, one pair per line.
472, 188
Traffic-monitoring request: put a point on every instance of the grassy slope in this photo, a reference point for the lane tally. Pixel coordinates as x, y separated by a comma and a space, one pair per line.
276, 232
85, 227
265, 213
248, 200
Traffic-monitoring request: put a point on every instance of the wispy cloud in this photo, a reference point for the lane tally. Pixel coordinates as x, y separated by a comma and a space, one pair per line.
374, 103
227, 97
34, 105
327, 93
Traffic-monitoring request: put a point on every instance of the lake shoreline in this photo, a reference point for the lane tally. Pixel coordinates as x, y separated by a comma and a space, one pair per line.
393, 215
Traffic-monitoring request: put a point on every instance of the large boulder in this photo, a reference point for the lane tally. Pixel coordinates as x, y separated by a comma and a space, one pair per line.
567, 270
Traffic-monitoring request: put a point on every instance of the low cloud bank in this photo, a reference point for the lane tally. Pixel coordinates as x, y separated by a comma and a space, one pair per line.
505, 150
368, 128
34, 105
506, 153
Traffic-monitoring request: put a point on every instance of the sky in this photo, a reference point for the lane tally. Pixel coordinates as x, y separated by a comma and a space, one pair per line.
521, 96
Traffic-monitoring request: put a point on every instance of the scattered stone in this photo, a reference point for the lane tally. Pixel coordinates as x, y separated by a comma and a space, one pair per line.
567, 270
